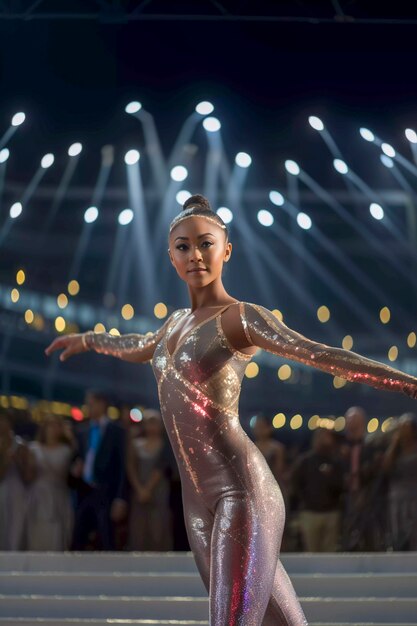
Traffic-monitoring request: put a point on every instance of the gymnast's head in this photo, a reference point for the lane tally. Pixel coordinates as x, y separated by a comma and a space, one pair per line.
198, 240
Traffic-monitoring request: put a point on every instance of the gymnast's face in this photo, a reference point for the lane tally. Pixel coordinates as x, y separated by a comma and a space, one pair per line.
198, 243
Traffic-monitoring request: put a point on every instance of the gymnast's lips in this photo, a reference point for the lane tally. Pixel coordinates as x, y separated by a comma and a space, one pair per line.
198, 269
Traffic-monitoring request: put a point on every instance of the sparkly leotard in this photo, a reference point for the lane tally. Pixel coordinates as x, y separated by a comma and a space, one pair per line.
233, 506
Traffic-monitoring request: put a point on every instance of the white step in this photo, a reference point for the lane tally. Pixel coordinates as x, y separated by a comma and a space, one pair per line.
151, 622
324, 609
178, 583
294, 563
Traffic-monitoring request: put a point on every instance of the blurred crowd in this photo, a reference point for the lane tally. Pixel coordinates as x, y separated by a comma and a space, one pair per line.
105, 484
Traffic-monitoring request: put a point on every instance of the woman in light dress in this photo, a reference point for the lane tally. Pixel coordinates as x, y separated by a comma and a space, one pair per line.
50, 509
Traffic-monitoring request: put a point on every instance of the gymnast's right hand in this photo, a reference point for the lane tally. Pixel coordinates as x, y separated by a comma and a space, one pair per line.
73, 344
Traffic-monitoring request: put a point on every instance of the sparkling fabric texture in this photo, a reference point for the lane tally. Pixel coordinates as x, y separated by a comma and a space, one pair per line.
233, 507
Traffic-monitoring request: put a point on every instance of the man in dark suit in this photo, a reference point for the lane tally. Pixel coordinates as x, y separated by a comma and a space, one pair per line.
99, 474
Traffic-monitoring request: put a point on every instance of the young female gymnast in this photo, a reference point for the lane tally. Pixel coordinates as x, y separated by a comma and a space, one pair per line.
233, 506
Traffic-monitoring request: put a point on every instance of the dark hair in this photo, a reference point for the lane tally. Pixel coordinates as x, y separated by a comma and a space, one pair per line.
199, 205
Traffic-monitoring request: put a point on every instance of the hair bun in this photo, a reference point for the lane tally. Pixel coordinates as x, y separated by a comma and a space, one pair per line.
198, 201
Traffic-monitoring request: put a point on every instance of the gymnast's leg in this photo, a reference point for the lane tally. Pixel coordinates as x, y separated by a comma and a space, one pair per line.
284, 608
199, 524
244, 552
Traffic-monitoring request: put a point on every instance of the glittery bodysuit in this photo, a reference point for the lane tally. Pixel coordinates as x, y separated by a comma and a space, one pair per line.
233, 506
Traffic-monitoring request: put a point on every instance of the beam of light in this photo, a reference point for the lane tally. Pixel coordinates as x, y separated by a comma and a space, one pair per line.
75, 149
4, 156
385, 160
304, 221
212, 166
316, 123
120, 249
367, 134
16, 121
132, 157
153, 144
361, 228
376, 211
91, 214
388, 150
265, 217
125, 217
411, 135
143, 267
320, 269
204, 108
96, 201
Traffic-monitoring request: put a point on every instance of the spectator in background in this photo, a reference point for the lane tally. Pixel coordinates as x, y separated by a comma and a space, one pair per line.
150, 523
400, 466
50, 511
16, 474
362, 460
317, 481
100, 470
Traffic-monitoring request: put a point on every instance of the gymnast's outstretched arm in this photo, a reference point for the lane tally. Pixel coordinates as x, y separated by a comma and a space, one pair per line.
263, 329
135, 347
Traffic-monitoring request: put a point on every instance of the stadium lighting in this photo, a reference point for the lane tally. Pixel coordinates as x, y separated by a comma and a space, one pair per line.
182, 196
411, 135
265, 217
15, 210
132, 157
91, 214
304, 221
75, 149
4, 155
292, 167
211, 124
47, 160
18, 119
125, 217
225, 213
133, 107
179, 173
367, 134
204, 108
385, 160
388, 150
340, 166
316, 123
276, 198
376, 211
243, 159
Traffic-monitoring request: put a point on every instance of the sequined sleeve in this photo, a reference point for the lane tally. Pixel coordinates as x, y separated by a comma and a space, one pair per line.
131, 346
265, 330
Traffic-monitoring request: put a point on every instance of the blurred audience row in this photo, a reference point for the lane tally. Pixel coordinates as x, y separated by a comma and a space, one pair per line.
105, 484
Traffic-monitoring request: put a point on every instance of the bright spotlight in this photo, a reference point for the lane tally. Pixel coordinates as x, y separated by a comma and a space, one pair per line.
75, 149
179, 173
292, 167
211, 124
388, 150
18, 118
47, 160
91, 214
132, 157
204, 108
133, 107
182, 196
225, 213
315, 122
125, 217
15, 210
411, 135
243, 159
265, 217
367, 134
4, 155
304, 220
340, 166
376, 211
385, 160
276, 198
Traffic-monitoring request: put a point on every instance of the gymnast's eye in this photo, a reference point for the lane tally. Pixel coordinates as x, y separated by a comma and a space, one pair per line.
207, 241
180, 246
